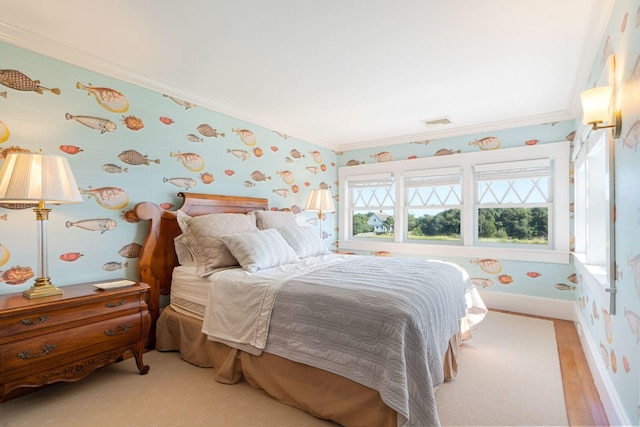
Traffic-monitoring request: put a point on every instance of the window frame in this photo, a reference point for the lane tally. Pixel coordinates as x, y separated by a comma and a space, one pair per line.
558, 152
594, 208
585, 140
508, 172
377, 177
430, 173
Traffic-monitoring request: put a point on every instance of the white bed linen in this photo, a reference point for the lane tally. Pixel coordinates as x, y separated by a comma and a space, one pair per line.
189, 292
246, 301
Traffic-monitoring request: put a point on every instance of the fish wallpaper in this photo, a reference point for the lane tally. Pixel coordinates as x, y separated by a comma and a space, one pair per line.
617, 337
127, 144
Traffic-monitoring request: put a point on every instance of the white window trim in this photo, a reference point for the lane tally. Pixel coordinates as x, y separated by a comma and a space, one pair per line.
602, 268
454, 171
557, 152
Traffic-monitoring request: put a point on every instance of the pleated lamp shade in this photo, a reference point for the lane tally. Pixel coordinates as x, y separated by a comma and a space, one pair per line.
320, 201
28, 177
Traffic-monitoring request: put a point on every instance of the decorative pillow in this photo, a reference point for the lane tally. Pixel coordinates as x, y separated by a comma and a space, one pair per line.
305, 241
185, 257
275, 219
259, 249
202, 236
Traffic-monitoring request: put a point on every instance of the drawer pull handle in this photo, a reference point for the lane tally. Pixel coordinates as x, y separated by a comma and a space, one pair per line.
112, 333
111, 305
27, 322
46, 349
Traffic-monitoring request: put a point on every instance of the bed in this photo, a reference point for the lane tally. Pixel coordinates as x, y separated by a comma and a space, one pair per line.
270, 322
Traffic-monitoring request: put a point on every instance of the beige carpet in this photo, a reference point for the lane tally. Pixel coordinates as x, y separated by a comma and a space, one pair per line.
509, 375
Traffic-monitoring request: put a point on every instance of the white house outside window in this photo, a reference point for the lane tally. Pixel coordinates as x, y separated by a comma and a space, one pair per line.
372, 206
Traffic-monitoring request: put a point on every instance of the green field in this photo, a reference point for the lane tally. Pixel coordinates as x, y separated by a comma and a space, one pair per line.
456, 238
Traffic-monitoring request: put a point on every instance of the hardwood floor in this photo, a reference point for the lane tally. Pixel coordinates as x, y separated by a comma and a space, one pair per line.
584, 407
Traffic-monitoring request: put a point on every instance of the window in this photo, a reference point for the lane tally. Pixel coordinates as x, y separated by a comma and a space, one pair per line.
513, 201
434, 201
593, 218
508, 204
372, 206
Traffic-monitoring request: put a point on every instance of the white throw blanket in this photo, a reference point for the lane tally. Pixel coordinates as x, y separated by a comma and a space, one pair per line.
240, 303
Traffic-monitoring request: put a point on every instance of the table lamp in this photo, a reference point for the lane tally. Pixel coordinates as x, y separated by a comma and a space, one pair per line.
320, 200
38, 178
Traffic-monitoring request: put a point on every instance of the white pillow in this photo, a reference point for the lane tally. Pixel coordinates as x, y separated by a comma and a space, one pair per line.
275, 219
185, 256
202, 236
259, 249
305, 241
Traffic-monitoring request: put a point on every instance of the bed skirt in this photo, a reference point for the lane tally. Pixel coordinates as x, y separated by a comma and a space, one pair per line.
320, 393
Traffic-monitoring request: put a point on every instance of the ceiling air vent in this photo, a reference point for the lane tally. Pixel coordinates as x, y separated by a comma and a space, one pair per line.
436, 122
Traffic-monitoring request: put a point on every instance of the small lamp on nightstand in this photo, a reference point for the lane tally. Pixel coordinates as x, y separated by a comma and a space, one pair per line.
38, 179
319, 200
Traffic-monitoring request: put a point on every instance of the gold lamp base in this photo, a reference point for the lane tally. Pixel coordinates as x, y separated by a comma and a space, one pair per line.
42, 288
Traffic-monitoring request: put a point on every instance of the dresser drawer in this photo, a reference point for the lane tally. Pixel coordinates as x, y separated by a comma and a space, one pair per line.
40, 353
13, 325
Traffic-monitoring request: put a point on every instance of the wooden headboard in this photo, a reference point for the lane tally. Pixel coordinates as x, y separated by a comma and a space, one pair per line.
158, 258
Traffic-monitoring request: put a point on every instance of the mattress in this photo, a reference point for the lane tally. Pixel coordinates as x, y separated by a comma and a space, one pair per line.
189, 292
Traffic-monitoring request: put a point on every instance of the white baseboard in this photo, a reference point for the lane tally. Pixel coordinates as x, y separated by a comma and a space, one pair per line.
535, 306
608, 396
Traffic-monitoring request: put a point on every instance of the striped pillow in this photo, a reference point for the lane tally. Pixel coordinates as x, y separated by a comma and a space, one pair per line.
305, 241
258, 250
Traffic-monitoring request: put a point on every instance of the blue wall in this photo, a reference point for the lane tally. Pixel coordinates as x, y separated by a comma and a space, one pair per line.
617, 337
257, 163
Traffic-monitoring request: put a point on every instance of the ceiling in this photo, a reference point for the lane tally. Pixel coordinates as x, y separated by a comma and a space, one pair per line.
343, 74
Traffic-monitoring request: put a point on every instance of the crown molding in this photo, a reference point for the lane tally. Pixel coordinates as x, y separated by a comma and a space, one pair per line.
539, 119
51, 48
54, 49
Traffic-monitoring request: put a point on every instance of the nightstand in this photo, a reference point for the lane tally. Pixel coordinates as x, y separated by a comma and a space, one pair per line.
66, 337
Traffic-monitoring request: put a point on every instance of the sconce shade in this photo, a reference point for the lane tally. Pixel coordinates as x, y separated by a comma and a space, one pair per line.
319, 200
596, 104
27, 177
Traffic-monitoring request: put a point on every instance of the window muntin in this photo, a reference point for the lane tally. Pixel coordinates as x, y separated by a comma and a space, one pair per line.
433, 205
372, 207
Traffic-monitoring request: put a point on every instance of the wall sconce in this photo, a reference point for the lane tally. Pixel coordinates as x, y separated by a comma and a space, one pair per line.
38, 178
319, 200
596, 105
